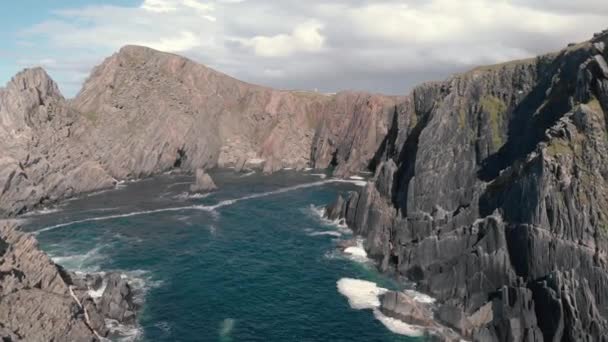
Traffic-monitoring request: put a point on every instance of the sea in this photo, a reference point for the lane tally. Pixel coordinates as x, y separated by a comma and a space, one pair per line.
253, 261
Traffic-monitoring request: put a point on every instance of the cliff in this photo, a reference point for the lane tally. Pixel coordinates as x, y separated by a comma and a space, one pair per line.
143, 112
490, 194
40, 301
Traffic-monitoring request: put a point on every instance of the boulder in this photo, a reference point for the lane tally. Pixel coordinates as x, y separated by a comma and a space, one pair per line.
203, 182
117, 300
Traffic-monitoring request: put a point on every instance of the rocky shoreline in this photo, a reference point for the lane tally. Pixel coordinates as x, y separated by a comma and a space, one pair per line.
41, 301
490, 194
490, 188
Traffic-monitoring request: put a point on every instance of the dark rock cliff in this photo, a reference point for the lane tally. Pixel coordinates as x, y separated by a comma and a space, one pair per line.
490, 193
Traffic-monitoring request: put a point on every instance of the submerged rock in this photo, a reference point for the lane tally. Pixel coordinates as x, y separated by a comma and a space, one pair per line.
203, 182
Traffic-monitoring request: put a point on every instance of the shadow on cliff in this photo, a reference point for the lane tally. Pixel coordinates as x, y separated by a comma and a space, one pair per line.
549, 100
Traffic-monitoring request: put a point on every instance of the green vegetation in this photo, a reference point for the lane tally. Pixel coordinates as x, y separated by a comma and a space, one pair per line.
496, 110
559, 147
92, 116
595, 105
462, 117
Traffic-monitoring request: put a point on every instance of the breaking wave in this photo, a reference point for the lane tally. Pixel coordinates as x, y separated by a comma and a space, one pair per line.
365, 295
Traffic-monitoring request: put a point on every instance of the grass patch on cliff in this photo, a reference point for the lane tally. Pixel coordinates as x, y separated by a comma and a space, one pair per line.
92, 116
559, 147
496, 110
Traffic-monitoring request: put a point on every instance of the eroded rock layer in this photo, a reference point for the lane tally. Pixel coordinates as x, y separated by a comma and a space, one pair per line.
142, 112
491, 194
40, 301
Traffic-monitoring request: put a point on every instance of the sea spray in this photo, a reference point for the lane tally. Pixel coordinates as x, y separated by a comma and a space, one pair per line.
365, 295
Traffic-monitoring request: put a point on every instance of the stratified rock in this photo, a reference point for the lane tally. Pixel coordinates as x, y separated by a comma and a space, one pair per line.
203, 182
403, 307
36, 302
117, 300
40, 301
334, 210
496, 203
143, 112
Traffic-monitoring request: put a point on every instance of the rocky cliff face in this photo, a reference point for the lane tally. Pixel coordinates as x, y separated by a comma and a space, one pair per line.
143, 112
159, 110
490, 194
40, 301
42, 155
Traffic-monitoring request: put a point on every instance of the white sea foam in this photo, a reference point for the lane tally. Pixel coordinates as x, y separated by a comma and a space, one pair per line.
43, 211
187, 196
357, 253
194, 207
85, 262
360, 183
123, 333
96, 294
250, 173
398, 327
420, 297
356, 177
164, 326
102, 209
308, 169
326, 233
226, 328
319, 213
320, 175
363, 294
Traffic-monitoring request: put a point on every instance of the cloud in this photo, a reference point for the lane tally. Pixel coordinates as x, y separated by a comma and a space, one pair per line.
305, 37
184, 41
377, 45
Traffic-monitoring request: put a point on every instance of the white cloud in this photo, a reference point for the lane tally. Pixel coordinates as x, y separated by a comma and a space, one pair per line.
159, 6
378, 45
185, 41
306, 37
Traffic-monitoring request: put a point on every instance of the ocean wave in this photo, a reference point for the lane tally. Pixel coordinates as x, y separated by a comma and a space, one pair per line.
40, 212
357, 253
141, 281
420, 297
318, 212
361, 294
326, 233
123, 332
356, 178
320, 175
250, 173
365, 295
208, 208
84, 262
226, 328
187, 196
398, 327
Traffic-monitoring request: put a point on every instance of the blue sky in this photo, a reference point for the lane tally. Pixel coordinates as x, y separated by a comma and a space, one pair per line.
376, 45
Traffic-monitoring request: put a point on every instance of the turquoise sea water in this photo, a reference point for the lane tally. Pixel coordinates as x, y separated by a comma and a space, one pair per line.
261, 268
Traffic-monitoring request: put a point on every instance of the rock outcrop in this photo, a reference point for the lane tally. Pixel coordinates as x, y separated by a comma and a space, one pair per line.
202, 182
491, 194
143, 112
40, 301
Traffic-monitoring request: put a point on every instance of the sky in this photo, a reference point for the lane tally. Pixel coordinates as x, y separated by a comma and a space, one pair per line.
385, 46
